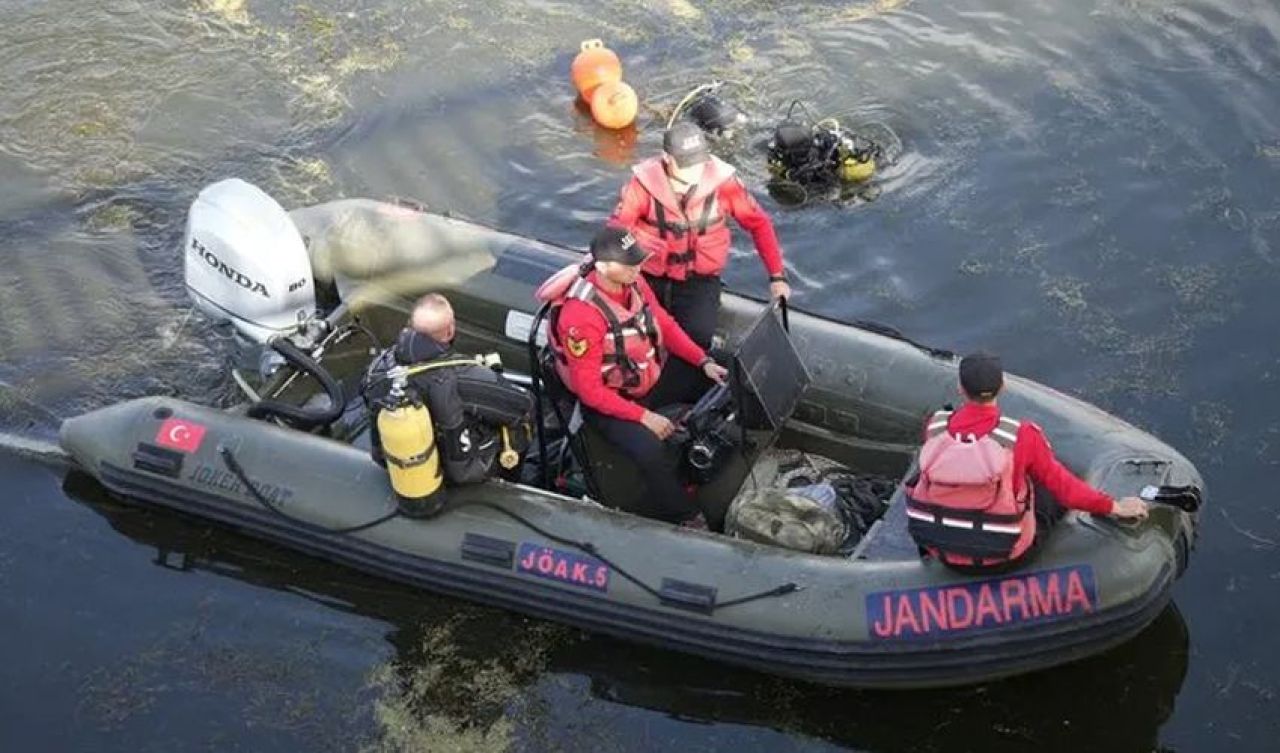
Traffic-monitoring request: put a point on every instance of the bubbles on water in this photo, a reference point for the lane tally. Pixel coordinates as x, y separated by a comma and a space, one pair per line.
1211, 422
1066, 293
1235, 218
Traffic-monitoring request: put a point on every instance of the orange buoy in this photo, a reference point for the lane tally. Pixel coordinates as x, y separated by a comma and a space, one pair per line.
614, 105
594, 65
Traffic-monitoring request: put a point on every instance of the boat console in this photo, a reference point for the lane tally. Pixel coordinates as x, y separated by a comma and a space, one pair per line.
766, 381
720, 437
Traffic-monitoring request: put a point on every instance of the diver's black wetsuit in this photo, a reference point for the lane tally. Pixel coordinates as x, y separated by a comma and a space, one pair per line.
469, 404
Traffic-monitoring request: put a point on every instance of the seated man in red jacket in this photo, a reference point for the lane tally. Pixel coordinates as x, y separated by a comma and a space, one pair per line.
611, 339
972, 504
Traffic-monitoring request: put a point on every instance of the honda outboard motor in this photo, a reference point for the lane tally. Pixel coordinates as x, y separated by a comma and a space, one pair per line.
245, 262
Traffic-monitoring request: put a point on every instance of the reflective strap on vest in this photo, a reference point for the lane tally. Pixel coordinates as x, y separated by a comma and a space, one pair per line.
970, 519
982, 536
986, 538
581, 289
938, 423
1005, 431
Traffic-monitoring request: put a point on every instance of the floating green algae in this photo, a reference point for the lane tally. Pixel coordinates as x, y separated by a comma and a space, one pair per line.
230, 11
867, 10
113, 217
457, 689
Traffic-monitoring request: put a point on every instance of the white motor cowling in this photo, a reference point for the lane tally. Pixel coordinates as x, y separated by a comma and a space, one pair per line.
245, 261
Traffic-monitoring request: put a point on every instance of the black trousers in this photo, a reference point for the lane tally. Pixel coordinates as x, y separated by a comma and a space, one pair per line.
694, 303
665, 497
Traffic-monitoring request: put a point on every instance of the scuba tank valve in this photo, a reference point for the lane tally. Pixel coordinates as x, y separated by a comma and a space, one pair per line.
508, 458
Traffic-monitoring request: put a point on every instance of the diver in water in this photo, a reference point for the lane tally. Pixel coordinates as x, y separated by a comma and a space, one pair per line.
809, 156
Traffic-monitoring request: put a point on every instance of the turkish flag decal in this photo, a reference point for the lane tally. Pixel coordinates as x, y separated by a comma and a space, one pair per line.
180, 434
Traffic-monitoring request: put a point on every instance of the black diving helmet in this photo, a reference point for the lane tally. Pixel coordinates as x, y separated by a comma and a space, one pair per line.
792, 141
715, 116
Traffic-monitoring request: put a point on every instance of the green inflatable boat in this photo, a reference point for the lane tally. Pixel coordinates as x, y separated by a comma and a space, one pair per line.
310, 292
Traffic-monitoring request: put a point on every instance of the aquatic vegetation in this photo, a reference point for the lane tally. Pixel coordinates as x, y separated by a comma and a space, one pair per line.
231, 11
377, 59
684, 9
867, 10
318, 25
113, 217
458, 687
739, 50
301, 180
1195, 285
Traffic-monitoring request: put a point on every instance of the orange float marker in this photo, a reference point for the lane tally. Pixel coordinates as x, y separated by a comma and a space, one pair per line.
594, 66
614, 105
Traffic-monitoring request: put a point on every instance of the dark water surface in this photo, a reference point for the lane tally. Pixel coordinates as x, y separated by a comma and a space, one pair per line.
1088, 188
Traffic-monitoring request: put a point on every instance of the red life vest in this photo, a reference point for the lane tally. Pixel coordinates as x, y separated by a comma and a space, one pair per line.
684, 234
632, 349
961, 505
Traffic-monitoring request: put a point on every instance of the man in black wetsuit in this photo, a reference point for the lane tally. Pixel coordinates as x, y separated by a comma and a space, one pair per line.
477, 413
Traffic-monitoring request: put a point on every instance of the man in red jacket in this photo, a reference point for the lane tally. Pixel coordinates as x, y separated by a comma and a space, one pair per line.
932, 522
611, 338
677, 205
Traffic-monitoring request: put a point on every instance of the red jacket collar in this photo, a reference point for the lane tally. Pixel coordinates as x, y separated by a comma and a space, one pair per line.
653, 176
622, 297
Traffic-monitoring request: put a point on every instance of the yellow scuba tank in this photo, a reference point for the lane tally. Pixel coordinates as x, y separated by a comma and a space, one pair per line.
408, 442
853, 170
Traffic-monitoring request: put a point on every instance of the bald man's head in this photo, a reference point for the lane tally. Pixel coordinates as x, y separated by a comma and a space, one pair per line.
433, 316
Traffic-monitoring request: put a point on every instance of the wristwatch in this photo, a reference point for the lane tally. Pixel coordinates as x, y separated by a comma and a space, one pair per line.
777, 278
